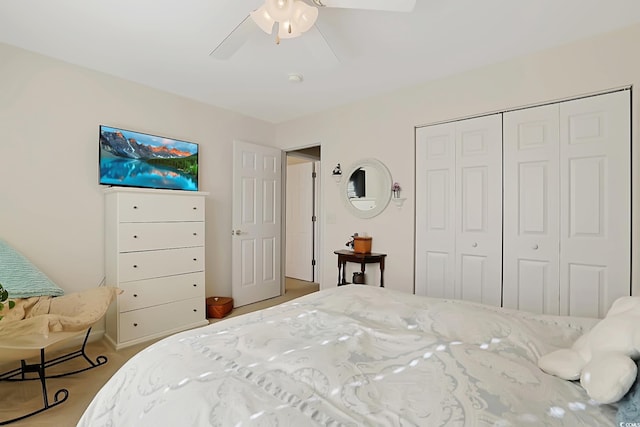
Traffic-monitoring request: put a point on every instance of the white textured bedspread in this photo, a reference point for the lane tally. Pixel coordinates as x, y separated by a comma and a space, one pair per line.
354, 356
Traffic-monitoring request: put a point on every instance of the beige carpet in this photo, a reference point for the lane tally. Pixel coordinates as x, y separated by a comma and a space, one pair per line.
17, 398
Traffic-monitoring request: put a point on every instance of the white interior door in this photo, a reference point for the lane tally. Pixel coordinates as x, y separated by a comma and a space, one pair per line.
256, 216
459, 210
299, 217
435, 207
531, 209
595, 197
479, 209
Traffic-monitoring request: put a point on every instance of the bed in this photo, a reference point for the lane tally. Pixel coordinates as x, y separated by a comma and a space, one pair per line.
354, 356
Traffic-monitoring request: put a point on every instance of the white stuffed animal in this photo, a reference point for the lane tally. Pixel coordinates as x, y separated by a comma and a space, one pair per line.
603, 358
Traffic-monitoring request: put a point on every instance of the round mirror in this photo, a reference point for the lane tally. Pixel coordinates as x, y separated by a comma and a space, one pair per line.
366, 188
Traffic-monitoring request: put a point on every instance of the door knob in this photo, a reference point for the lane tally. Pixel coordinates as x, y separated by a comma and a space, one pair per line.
535, 247
236, 232
475, 245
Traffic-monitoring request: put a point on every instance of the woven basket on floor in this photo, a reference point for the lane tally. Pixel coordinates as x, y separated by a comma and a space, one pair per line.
218, 307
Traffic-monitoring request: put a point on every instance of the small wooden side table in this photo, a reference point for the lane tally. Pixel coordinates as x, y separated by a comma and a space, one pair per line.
345, 256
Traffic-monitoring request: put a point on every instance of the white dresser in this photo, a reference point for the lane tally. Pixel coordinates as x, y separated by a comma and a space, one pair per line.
154, 252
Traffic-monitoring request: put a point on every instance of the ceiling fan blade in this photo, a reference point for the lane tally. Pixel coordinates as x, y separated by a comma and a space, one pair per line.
234, 41
387, 5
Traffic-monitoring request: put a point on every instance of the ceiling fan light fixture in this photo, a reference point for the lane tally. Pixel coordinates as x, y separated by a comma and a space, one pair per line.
295, 78
262, 19
287, 31
279, 10
294, 17
303, 16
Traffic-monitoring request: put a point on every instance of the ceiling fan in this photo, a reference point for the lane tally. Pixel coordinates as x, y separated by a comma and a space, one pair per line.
293, 18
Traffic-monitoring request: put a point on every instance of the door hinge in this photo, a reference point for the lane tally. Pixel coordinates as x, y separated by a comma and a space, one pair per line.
314, 218
314, 174
313, 262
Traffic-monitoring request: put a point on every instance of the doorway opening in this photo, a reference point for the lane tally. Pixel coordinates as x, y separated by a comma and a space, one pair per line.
301, 210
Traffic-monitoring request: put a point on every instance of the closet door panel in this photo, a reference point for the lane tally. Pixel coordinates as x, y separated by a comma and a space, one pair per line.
531, 209
479, 209
587, 290
435, 186
474, 195
438, 192
595, 198
536, 292
586, 196
438, 277
474, 285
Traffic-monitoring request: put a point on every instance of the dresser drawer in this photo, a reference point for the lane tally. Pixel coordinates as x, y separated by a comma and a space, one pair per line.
159, 207
142, 236
168, 262
145, 293
153, 320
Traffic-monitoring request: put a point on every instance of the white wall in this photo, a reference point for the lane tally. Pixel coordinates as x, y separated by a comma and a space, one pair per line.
384, 128
51, 206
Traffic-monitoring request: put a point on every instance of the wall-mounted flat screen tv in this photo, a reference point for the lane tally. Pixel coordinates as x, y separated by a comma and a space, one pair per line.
134, 159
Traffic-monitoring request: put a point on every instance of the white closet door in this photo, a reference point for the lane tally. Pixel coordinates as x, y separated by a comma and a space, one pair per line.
435, 205
531, 209
459, 210
479, 210
595, 203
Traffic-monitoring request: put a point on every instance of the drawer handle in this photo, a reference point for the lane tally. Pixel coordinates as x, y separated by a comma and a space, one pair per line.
195, 310
135, 295
135, 266
475, 245
195, 259
195, 234
135, 324
135, 236
535, 247
195, 285
195, 208
135, 207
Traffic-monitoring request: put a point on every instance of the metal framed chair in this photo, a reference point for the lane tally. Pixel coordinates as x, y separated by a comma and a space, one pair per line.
34, 346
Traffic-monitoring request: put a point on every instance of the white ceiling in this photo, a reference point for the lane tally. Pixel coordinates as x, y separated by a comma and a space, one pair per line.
166, 44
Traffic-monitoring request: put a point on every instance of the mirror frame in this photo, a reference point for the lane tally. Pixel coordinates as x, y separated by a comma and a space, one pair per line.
382, 204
